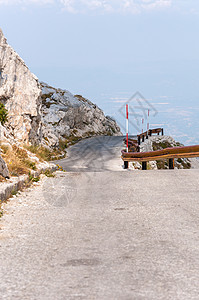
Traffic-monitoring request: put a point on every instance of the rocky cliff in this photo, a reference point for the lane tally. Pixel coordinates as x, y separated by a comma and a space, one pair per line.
64, 117
41, 114
20, 91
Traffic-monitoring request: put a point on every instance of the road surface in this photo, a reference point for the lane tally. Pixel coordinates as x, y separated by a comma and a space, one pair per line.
98, 154
101, 232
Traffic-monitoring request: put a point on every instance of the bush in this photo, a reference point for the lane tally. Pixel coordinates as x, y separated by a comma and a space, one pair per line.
48, 173
32, 178
3, 114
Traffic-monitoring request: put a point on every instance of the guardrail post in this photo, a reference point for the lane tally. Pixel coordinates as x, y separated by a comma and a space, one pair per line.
126, 164
144, 165
171, 163
162, 131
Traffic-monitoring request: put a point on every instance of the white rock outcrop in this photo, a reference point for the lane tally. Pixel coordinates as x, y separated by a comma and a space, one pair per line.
20, 91
3, 168
64, 115
39, 113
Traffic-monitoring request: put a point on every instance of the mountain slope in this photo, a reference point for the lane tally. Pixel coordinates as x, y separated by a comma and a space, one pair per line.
64, 116
40, 114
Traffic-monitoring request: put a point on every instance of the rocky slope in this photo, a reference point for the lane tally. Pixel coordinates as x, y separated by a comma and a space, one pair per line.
42, 114
65, 117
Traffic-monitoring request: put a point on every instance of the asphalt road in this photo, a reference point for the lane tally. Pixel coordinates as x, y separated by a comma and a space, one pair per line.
103, 233
97, 154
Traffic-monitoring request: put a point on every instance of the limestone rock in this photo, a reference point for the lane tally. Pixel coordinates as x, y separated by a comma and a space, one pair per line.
64, 115
5, 136
3, 168
39, 113
20, 91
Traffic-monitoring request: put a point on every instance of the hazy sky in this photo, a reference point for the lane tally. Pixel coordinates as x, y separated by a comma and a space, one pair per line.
107, 50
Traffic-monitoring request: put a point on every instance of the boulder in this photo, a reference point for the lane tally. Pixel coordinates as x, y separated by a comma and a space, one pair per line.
3, 168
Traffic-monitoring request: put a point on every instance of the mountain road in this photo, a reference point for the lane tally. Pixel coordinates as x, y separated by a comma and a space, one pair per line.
100, 232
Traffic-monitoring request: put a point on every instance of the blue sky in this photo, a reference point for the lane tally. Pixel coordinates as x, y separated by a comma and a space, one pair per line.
108, 50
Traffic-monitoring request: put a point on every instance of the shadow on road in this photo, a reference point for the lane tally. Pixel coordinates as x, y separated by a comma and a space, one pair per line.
93, 155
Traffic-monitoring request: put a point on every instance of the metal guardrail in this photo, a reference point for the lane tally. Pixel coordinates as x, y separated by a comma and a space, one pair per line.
168, 153
132, 145
148, 133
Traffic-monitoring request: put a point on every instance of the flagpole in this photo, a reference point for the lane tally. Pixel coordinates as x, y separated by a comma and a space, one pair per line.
127, 128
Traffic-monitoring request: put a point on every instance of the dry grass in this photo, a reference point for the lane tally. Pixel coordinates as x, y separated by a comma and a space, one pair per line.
44, 153
17, 160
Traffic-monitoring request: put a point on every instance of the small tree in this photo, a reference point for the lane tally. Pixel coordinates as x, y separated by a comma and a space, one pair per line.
3, 114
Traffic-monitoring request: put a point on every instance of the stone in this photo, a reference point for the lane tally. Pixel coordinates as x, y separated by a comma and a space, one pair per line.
3, 168
20, 91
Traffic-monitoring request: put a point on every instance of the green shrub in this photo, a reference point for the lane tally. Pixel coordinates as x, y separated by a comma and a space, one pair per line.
32, 178
3, 114
48, 173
